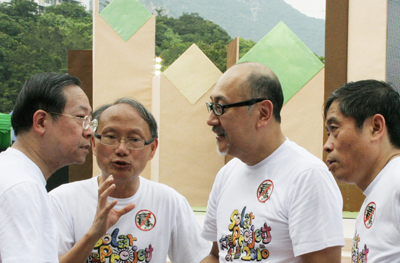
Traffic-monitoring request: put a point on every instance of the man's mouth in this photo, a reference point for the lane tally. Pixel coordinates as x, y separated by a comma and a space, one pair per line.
120, 163
330, 162
218, 132
85, 147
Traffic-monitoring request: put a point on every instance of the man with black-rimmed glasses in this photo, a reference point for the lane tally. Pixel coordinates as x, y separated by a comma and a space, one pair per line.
52, 121
274, 202
158, 222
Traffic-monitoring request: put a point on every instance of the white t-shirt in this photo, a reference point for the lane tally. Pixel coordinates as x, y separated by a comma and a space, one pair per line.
27, 228
161, 224
377, 236
283, 207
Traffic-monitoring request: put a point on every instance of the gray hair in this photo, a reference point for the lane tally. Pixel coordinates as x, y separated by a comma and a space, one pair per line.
144, 113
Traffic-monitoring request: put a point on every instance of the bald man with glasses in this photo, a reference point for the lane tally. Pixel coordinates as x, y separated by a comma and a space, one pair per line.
274, 202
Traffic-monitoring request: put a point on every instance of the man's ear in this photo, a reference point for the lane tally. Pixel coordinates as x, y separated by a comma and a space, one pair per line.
266, 109
153, 146
40, 121
378, 126
93, 141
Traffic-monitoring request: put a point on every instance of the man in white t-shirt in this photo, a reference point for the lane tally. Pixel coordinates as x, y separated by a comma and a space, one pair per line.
363, 148
274, 202
159, 221
52, 122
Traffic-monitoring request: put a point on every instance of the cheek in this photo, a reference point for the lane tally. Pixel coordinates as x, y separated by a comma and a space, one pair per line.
101, 153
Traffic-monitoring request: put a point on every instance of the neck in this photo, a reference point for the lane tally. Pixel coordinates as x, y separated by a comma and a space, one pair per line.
378, 165
124, 187
27, 145
394, 155
265, 147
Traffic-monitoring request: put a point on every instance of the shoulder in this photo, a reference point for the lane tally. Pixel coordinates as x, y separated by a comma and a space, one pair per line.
300, 158
159, 190
389, 177
16, 168
70, 189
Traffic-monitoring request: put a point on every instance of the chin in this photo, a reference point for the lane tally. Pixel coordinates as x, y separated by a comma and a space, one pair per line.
80, 161
223, 148
222, 151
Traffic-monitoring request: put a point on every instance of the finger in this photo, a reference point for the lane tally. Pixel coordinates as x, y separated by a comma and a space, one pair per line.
125, 209
106, 193
106, 184
103, 197
108, 207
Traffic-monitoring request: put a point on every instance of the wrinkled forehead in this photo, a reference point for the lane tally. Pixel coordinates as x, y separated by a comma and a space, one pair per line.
76, 100
334, 113
124, 118
230, 87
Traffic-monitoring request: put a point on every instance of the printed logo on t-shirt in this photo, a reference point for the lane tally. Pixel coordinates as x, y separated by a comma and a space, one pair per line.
356, 255
246, 242
117, 248
369, 214
264, 191
145, 220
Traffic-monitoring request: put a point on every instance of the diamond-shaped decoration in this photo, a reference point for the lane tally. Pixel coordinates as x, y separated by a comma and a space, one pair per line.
193, 74
125, 17
291, 60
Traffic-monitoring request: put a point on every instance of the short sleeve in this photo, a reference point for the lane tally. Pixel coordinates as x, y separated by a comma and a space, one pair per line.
26, 223
315, 212
187, 245
65, 232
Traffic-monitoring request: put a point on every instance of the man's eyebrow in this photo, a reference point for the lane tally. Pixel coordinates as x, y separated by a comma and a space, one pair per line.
331, 120
86, 109
218, 98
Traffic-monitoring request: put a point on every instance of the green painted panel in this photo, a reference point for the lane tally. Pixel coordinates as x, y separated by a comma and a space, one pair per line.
291, 60
125, 17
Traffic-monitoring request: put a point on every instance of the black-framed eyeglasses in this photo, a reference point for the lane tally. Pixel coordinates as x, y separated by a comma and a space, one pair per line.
219, 109
132, 143
86, 121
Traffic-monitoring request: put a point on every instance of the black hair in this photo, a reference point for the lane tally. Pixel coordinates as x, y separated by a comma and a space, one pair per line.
42, 91
365, 98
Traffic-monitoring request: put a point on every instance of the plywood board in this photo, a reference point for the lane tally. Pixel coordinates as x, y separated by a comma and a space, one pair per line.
188, 160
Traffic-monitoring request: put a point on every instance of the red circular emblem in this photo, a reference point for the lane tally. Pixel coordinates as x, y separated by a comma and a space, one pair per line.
264, 191
145, 220
369, 214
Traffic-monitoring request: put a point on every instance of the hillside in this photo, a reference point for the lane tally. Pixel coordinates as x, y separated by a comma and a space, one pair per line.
249, 19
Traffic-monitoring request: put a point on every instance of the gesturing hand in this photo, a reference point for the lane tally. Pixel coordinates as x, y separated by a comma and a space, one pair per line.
106, 215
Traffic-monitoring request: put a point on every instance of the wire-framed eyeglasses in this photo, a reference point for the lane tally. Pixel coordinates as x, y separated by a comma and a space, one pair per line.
219, 109
86, 121
113, 140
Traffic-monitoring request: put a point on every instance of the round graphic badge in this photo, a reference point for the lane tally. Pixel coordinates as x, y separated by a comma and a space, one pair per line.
145, 220
264, 191
369, 214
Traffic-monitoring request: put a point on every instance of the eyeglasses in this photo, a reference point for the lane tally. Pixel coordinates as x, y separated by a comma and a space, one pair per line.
86, 121
132, 143
219, 109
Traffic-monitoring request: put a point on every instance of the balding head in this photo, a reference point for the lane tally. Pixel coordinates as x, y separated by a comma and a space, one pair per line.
259, 81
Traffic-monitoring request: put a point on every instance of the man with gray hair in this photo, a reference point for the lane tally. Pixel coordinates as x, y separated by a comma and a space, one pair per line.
159, 221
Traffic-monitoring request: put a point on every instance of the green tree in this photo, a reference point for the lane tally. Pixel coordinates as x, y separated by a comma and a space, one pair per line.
245, 46
175, 35
32, 42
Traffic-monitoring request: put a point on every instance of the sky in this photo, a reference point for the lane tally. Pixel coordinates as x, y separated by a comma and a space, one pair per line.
312, 8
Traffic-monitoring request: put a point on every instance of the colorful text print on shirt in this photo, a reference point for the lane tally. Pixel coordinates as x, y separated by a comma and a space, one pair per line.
245, 241
264, 191
369, 214
116, 248
356, 255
